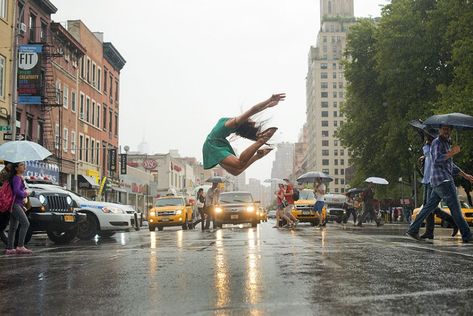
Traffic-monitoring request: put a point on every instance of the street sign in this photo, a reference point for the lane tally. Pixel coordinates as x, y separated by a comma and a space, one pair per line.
5, 128
112, 159
123, 163
8, 136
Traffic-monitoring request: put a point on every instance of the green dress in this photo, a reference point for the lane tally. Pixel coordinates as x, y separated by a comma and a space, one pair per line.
216, 146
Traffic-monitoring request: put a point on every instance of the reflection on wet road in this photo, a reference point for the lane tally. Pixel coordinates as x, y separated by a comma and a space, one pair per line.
242, 271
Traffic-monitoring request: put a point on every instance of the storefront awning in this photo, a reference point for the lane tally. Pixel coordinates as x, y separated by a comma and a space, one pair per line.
86, 182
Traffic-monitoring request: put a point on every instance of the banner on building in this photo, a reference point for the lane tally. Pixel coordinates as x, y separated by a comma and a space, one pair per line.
29, 74
42, 171
123, 163
112, 160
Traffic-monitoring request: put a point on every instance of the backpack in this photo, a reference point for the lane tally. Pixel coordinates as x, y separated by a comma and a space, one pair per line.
6, 197
295, 195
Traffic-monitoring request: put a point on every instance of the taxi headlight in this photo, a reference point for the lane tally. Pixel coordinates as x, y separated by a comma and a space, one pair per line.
42, 199
178, 212
250, 209
218, 210
152, 213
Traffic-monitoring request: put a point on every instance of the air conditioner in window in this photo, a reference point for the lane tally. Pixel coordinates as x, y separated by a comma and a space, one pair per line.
22, 28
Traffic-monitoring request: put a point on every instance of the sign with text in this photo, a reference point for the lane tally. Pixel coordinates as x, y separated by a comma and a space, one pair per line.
112, 159
29, 74
42, 170
123, 163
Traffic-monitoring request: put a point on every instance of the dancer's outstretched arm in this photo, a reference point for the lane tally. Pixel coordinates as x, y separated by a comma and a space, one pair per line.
272, 101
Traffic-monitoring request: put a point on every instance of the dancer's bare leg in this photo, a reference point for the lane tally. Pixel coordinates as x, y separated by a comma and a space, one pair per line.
234, 165
246, 155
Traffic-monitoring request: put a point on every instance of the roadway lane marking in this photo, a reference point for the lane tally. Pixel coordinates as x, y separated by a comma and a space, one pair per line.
407, 295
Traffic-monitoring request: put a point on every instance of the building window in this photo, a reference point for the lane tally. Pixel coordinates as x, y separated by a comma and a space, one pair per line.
81, 147
342, 152
82, 67
323, 66
335, 113
65, 140
335, 142
116, 90
325, 143
87, 144
58, 92
44, 30
324, 133
73, 142
40, 134
32, 27
342, 181
324, 85
335, 123
334, 75
336, 172
335, 152
57, 137
111, 86
110, 121
335, 162
92, 151
334, 94
116, 124
2, 76
342, 162
324, 123
3, 9
336, 181
105, 76
324, 113
93, 113
340, 94
29, 128
104, 125
99, 78
325, 162
323, 75
324, 104
73, 101
65, 98
87, 109
94, 69
98, 116
342, 172
88, 70
335, 104
81, 106
97, 147
325, 152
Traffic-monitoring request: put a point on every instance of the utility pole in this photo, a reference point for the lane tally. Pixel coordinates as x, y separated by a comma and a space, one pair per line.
14, 86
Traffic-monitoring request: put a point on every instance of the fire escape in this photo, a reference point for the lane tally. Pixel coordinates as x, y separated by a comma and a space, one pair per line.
52, 101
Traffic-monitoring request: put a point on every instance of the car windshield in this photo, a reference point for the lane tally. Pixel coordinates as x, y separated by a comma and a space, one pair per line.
170, 202
228, 198
306, 195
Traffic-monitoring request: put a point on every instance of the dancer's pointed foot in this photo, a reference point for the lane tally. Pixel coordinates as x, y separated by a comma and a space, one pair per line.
263, 152
266, 134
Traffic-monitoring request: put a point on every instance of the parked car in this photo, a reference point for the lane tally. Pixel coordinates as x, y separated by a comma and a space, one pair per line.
53, 211
467, 211
304, 209
334, 203
170, 211
236, 207
103, 218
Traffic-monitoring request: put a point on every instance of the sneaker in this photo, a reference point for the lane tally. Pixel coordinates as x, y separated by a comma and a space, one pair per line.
10, 252
469, 239
455, 231
413, 236
23, 251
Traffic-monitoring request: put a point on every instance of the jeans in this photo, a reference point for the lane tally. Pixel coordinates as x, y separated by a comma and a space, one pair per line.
445, 191
430, 221
201, 219
17, 216
209, 210
318, 207
350, 211
368, 210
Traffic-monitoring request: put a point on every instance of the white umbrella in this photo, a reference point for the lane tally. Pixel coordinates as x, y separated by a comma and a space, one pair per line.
275, 181
377, 180
19, 151
310, 177
217, 179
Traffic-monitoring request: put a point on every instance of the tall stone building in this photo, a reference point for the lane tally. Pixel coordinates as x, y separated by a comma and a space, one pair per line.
326, 92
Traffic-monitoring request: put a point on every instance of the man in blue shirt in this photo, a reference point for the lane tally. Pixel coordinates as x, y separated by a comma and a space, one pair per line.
430, 222
443, 186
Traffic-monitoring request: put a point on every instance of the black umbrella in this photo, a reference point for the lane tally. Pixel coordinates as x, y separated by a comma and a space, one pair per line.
455, 120
354, 191
423, 129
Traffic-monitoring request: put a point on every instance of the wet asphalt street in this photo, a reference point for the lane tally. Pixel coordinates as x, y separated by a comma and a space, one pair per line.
243, 271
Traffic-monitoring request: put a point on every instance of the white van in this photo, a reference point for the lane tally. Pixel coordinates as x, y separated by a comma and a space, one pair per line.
334, 204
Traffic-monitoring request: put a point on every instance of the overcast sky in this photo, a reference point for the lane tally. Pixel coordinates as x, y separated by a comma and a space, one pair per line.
191, 62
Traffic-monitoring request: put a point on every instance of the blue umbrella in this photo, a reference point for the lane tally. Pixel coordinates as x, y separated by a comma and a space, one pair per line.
19, 151
455, 120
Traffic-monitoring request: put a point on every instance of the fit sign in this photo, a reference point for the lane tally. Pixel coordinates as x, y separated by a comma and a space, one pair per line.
29, 74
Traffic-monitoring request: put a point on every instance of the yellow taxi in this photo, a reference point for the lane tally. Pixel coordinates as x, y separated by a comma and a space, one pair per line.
170, 211
304, 209
466, 210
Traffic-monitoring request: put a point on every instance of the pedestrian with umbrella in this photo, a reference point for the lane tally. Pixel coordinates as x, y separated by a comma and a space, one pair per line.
350, 206
318, 179
443, 170
426, 162
368, 201
211, 200
5, 216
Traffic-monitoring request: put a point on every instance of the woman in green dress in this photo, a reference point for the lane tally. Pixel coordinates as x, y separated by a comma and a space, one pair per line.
217, 149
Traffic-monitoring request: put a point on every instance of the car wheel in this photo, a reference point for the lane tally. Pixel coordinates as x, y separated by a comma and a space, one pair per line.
62, 237
106, 233
184, 226
152, 228
89, 228
160, 228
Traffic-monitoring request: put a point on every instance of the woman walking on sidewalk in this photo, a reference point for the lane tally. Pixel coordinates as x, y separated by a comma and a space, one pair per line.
18, 215
218, 151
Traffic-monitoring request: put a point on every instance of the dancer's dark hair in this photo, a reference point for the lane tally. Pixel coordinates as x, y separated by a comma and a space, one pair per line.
248, 130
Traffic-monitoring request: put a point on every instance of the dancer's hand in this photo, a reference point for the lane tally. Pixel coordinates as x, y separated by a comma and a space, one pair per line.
275, 99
